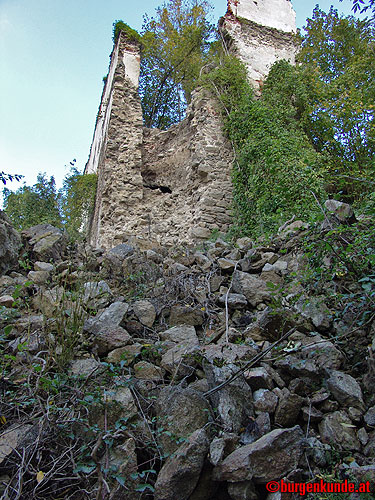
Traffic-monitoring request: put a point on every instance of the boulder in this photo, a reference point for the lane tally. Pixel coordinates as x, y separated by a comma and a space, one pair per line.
147, 371
345, 389
265, 401
86, 367
186, 315
145, 312
271, 457
370, 417
234, 402
180, 412
111, 316
47, 243
10, 244
288, 409
180, 474
337, 429
254, 289
258, 378
342, 211
183, 334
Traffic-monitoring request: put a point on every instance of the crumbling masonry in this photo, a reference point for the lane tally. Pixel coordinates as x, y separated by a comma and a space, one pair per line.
174, 187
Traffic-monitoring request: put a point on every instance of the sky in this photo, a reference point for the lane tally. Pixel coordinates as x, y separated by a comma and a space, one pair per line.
53, 56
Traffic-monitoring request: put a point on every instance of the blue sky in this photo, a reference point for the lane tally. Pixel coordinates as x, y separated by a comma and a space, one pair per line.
53, 56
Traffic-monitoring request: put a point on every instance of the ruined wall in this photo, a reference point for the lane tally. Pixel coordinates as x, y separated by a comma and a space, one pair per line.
157, 186
260, 33
174, 187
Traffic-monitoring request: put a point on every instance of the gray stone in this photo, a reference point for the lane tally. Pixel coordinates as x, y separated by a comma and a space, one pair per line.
110, 317
254, 289
314, 309
186, 315
324, 354
221, 447
337, 429
185, 334
288, 408
6, 301
47, 242
269, 458
244, 243
244, 490
110, 337
145, 312
180, 474
369, 449
342, 211
12, 439
86, 366
317, 451
123, 396
127, 354
226, 264
96, 294
265, 401
234, 403
370, 417
180, 412
345, 389
39, 277
180, 360
43, 266
120, 251
258, 378
147, 371
10, 244
235, 300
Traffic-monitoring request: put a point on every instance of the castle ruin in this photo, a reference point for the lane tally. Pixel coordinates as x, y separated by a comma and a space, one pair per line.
174, 186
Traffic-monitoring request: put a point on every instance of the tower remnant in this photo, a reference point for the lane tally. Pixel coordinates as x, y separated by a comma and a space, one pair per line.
174, 186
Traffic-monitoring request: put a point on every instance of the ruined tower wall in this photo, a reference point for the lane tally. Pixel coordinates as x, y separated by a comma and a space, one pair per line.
156, 186
260, 32
174, 187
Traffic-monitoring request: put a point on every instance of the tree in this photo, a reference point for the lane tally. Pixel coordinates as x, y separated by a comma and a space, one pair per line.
68, 208
362, 6
31, 205
77, 198
9, 177
337, 64
175, 43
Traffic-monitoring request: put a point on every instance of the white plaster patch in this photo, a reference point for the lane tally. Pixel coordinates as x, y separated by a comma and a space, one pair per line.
277, 14
132, 67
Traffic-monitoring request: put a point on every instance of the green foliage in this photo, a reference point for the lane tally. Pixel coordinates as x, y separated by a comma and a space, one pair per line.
120, 26
68, 208
31, 205
9, 177
175, 44
277, 170
337, 65
77, 202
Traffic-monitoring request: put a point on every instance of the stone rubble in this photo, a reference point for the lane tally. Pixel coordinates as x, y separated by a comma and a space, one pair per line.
281, 418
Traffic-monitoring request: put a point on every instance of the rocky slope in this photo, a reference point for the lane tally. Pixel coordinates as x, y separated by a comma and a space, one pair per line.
186, 373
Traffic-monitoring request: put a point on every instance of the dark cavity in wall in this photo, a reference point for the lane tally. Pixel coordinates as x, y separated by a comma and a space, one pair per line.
163, 189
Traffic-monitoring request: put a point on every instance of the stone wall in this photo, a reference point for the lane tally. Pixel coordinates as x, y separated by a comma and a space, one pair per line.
174, 187
260, 33
156, 186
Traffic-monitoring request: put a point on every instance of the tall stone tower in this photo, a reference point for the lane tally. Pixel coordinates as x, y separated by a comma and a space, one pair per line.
174, 186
